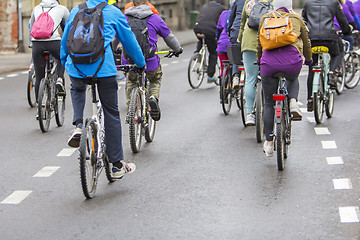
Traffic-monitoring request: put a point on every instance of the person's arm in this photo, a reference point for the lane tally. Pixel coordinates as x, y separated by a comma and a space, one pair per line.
231, 18
243, 22
65, 18
63, 48
169, 38
259, 48
340, 16
306, 42
219, 28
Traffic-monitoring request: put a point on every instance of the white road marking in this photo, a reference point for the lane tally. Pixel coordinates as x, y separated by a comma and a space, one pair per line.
25, 72
342, 183
66, 152
1, 78
334, 160
321, 130
311, 119
12, 75
175, 62
349, 214
16, 197
165, 65
47, 171
328, 144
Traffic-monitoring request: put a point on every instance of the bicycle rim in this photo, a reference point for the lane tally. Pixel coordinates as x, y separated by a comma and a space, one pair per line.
31, 88
88, 158
259, 107
150, 127
195, 73
44, 110
349, 68
243, 106
329, 108
226, 88
59, 110
340, 80
135, 121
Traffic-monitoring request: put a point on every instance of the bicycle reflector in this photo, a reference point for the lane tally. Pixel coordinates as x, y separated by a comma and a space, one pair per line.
278, 112
278, 97
316, 70
241, 69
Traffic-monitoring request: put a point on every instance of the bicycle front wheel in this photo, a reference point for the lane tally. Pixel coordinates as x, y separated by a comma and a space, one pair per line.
226, 91
44, 103
88, 158
31, 87
280, 144
135, 120
259, 108
59, 109
195, 71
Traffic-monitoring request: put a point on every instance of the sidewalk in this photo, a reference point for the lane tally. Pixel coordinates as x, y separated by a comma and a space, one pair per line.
13, 62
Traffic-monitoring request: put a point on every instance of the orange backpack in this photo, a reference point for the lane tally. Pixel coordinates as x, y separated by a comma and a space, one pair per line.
276, 31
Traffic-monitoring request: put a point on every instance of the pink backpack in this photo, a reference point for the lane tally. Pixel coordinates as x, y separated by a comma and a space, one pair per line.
43, 26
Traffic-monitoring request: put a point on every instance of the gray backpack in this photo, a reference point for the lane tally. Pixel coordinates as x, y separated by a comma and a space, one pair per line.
259, 9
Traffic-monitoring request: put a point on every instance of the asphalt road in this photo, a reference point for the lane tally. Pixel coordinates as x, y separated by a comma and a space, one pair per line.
203, 177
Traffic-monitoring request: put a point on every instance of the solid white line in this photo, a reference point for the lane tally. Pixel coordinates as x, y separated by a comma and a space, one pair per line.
16, 197
328, 144
66, 152
349, 214
12, 75
334, 160
322, 130
311, 119
342, 183
47, 171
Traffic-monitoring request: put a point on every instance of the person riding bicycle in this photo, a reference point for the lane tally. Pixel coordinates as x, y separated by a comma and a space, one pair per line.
59, 14
319, 17
115, 24
223, 38
350, 18
156, 26
153, 9
286, 59
206, 26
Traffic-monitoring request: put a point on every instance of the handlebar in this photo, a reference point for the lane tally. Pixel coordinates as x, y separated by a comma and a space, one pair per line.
129, 68
169, 54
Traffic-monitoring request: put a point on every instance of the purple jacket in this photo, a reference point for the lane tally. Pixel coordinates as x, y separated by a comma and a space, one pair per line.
224, 38
348, 16
356, 6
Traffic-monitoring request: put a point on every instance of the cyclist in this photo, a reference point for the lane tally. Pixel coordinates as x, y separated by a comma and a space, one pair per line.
319, 16
156, 26
285, 59
206, 25
59, 15
351, 21
353, 12
223, 38
153, 9
114, 25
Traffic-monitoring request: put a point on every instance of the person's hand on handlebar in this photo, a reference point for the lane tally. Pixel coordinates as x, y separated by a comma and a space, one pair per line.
179, 52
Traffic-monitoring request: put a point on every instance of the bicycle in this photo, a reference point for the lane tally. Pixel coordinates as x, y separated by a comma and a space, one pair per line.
50, 103
351, 59
197, 67
93, 156
323, 96
30, 90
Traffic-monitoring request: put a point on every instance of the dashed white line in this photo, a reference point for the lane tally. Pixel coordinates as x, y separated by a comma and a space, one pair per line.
16, 197
1, 78
328, 144
12, 75
334, 160
47, 171
349, 214
342, 183
66, 152
321, 130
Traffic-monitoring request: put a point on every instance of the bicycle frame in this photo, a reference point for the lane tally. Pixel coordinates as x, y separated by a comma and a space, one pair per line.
281, 99
322, 67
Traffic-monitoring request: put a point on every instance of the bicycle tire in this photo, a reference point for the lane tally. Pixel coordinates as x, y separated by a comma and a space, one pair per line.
44, 102
217, 73
59, 109
135, 120
349, 68
194, 68
280, 144
356, 78
227, 95
259, 113
287, 128
150, 126
340, 80
243, 106
31, 87
88, 158
107, 167
329, 106
319, 102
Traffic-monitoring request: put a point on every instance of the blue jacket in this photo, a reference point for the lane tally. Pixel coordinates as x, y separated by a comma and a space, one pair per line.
233, 28
114, 24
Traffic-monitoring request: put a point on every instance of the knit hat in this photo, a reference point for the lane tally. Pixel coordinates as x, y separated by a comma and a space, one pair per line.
282, 3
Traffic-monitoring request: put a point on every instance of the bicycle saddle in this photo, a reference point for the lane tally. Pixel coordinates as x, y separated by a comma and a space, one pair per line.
279, 75
319, 49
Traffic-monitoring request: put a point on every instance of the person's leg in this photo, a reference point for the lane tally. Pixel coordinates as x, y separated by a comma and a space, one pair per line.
212, 45
130, 85
39, 64
54, 48
222, 57
252, 71
292, 85
154, 92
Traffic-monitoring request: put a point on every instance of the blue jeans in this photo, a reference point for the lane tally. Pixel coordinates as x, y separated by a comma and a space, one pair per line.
107, 89
252, 71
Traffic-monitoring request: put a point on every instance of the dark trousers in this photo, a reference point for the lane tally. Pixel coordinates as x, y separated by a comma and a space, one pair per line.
39, 62
107, 89
211, 45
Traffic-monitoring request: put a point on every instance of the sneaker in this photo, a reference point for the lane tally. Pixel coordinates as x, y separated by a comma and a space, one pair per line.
268, 149
118, 173
310, 105
332, 81
250, 119
295, 111
154, 108
74, 139
60, 87
236, 82
211, 79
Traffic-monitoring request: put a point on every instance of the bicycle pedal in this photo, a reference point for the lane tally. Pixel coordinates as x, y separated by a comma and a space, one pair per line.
296, 118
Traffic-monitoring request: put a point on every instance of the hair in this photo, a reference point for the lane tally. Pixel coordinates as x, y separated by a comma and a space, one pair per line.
139, 2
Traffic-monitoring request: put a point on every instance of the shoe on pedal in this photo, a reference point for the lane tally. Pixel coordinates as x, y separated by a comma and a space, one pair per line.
211, 79
332, 80
155, 112
268, 149
236, 82
310, 105
118, 173
250, 119
295, 111
60, 86
74, 139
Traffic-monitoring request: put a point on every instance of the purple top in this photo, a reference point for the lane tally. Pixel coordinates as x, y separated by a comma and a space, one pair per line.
224, 38
348, 16
356, 6
351, 7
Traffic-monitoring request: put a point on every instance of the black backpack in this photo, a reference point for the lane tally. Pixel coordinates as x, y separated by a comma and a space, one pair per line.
259, 9
85, 41
140, 28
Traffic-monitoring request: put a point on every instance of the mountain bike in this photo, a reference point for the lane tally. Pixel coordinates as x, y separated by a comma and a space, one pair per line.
197, 67
323, 96
93, 155
50, 103
283, 120
30, 90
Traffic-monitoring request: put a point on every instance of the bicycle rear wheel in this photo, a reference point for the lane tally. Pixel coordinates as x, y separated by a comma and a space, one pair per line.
136, 120
88, 158
319, 102
329, 106
259, 108
44, 103
349, 68
31, 87
226, 91
107, 168
340, 78
195, 72
356, 78
243, 105
59, 109
280, 144
150, 127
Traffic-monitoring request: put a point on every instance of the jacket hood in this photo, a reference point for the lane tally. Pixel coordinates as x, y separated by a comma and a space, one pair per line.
141, 11
49, 3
